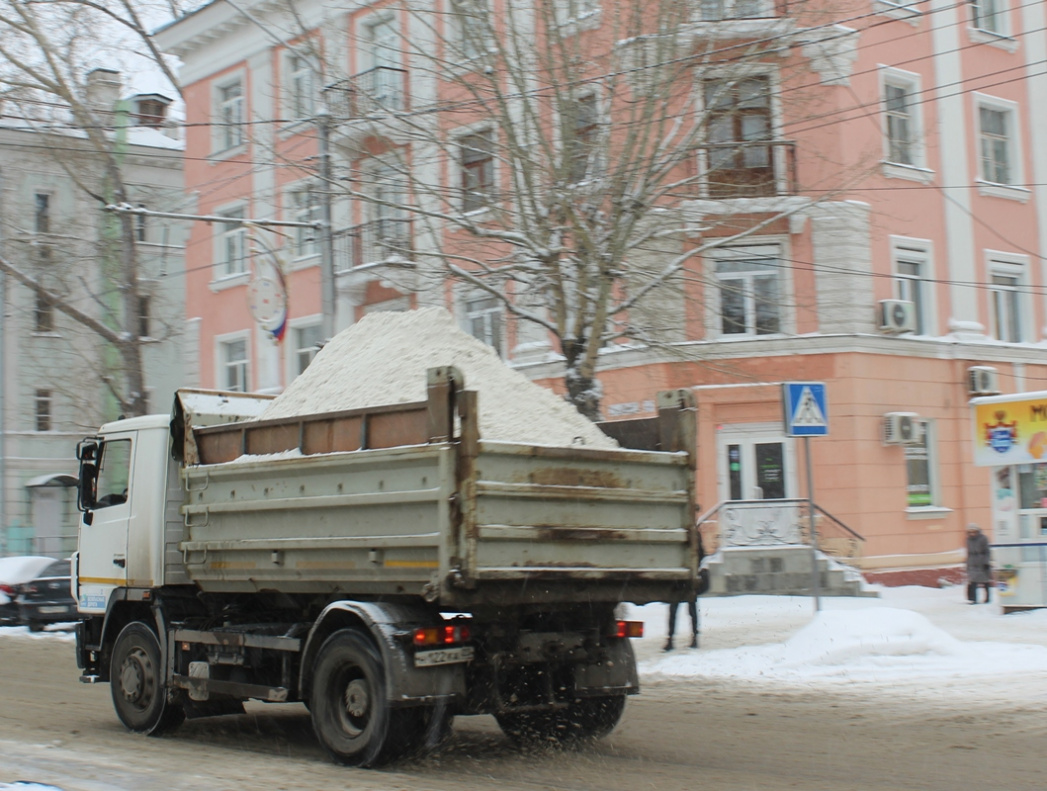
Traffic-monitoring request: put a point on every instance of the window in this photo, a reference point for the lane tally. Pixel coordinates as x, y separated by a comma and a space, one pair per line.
738, 120
232, 246
114, 473
144, 310
900, 126
233, 364
43, 315
989, 15
307, 344
912, 275
1005, 295
750, 298
484, 320
994, 134
301, 91
140, 225
471, 27
580, 133
717, 10
306, 207
42, 212
477, 163
920, 484
42, 410
388, 231
756, 470
230, 115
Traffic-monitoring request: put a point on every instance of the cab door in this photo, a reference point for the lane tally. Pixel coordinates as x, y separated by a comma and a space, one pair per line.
102, 560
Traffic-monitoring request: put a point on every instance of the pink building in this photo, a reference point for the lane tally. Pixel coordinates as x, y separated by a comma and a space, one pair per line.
886, 160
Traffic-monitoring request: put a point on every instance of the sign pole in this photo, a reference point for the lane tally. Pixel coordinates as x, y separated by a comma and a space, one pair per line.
815, 576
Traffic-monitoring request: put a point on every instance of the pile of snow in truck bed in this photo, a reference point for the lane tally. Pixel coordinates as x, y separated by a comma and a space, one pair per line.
384, 357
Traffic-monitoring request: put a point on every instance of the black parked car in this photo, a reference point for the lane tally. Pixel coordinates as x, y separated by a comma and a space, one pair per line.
15, 572
48, 599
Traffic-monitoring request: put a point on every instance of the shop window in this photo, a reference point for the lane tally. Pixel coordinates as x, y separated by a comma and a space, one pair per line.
921, 489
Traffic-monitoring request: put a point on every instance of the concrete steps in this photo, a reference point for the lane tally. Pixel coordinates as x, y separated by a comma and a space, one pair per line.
781, 571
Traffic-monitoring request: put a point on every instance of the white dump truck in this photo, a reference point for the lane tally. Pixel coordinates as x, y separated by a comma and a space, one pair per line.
388, 567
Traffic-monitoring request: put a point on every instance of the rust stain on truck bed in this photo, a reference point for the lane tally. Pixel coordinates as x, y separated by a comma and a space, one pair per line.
575, 476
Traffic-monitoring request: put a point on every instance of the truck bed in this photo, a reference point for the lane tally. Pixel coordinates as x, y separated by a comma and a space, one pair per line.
461, 521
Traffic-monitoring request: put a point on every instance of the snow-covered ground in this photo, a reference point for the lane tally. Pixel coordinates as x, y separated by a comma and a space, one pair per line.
926, 636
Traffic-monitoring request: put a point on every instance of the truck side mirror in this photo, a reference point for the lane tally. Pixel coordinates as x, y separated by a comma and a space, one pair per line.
88, 451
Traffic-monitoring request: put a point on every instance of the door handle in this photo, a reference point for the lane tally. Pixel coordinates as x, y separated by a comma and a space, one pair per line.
121, 562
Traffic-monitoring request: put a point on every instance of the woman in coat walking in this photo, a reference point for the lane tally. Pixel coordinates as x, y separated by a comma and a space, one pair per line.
979, 568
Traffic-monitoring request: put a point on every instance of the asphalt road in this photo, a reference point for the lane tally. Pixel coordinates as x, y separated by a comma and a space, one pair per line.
675, 735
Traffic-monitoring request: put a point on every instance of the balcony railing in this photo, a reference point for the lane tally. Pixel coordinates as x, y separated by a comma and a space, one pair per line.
382, 89
372, 243
746, 169
729, 10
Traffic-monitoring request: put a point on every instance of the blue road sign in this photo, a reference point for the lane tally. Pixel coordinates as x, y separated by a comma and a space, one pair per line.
805, 409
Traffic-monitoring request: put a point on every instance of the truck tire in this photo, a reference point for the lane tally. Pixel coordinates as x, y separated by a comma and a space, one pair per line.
137, 683
350, 708
594, 718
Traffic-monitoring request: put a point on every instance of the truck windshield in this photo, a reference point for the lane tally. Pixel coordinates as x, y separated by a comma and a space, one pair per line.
114, 472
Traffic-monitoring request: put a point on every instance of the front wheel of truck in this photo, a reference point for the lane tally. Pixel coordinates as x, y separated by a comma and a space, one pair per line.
349, 705
137, 682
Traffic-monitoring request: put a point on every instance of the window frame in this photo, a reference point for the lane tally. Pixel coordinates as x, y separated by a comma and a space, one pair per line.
727, 10
1001, 26
469, 43
492, 317
42, 212
742, 253
929, 449
43, 410
223, 362
1012, 188
584, 137
301, 247
1016, 267
229, 137
226, 235
296, 349
911, 84
299, 87
905, 249
484, 194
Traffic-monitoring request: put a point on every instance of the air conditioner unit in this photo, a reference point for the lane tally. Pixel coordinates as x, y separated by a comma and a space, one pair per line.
982, 380
902, 428
897, 315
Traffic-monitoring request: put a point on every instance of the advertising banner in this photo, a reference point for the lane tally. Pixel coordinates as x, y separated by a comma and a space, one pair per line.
1010, 429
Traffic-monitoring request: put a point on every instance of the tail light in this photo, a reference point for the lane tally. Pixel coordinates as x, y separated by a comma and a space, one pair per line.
7, 589
29, 588
446, 634
628, 629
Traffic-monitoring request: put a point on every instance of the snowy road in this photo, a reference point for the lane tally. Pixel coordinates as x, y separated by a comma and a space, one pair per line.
915, 690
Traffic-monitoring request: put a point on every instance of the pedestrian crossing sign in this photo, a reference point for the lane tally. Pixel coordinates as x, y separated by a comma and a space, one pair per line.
805, 409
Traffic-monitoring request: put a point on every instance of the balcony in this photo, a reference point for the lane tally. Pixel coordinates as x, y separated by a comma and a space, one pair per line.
745, 169
366, 104
371, 243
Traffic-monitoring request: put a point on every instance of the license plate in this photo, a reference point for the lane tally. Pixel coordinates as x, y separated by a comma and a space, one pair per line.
53, 610
443, 656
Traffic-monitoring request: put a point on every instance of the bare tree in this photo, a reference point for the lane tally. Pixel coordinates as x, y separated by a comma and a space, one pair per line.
91, 272
562, 158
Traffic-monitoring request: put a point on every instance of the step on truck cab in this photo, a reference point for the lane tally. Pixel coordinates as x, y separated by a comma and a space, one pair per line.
388, 567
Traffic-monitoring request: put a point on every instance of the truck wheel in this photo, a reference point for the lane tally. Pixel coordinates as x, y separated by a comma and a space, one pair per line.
350, 709
137, 683
534, 728
593, 718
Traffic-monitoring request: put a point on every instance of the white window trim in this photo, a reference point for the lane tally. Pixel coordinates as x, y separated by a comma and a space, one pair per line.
222, 282
458, 56
287, 88
291, 358
462, 296
983, 35
905, 11
786, 315
456, 136
738, 73
911, 82
1011, 265
1014, 149
570, 25
220, 362
362, 52
218, 149
291, 213
909, 247
934, 481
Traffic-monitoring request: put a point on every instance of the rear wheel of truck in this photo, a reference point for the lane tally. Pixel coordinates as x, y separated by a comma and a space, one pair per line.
350, 709
137, 683
593, 718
